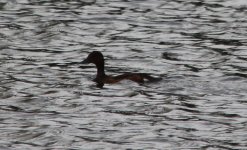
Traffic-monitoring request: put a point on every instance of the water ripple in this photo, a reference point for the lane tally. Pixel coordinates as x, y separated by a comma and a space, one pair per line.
48, 99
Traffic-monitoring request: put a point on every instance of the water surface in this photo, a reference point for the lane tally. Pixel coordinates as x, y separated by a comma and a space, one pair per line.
48, 100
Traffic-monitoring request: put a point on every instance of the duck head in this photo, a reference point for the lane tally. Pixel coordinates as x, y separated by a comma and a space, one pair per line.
94, 57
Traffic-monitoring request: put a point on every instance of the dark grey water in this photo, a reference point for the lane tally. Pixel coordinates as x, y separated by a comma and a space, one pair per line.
199, 48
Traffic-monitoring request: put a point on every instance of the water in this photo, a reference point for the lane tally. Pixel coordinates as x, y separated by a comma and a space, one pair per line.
48, 100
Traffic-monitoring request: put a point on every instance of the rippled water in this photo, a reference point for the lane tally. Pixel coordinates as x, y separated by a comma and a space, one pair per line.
48, 100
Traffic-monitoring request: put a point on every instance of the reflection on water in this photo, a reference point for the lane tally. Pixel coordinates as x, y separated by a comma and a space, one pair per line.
49, 101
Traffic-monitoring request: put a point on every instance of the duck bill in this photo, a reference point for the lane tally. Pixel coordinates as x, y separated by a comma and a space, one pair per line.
85, 61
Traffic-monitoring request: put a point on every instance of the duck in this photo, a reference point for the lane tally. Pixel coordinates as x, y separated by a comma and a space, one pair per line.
97, 58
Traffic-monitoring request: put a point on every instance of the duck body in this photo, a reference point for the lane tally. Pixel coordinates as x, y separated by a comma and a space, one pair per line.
136, 77
97, 58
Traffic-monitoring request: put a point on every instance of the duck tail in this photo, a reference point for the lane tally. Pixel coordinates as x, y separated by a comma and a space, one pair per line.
150, 78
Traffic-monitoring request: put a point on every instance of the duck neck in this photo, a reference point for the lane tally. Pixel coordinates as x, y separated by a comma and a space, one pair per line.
100, 70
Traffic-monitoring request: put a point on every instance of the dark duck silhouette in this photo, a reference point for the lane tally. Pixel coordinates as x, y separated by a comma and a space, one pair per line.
97, 58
